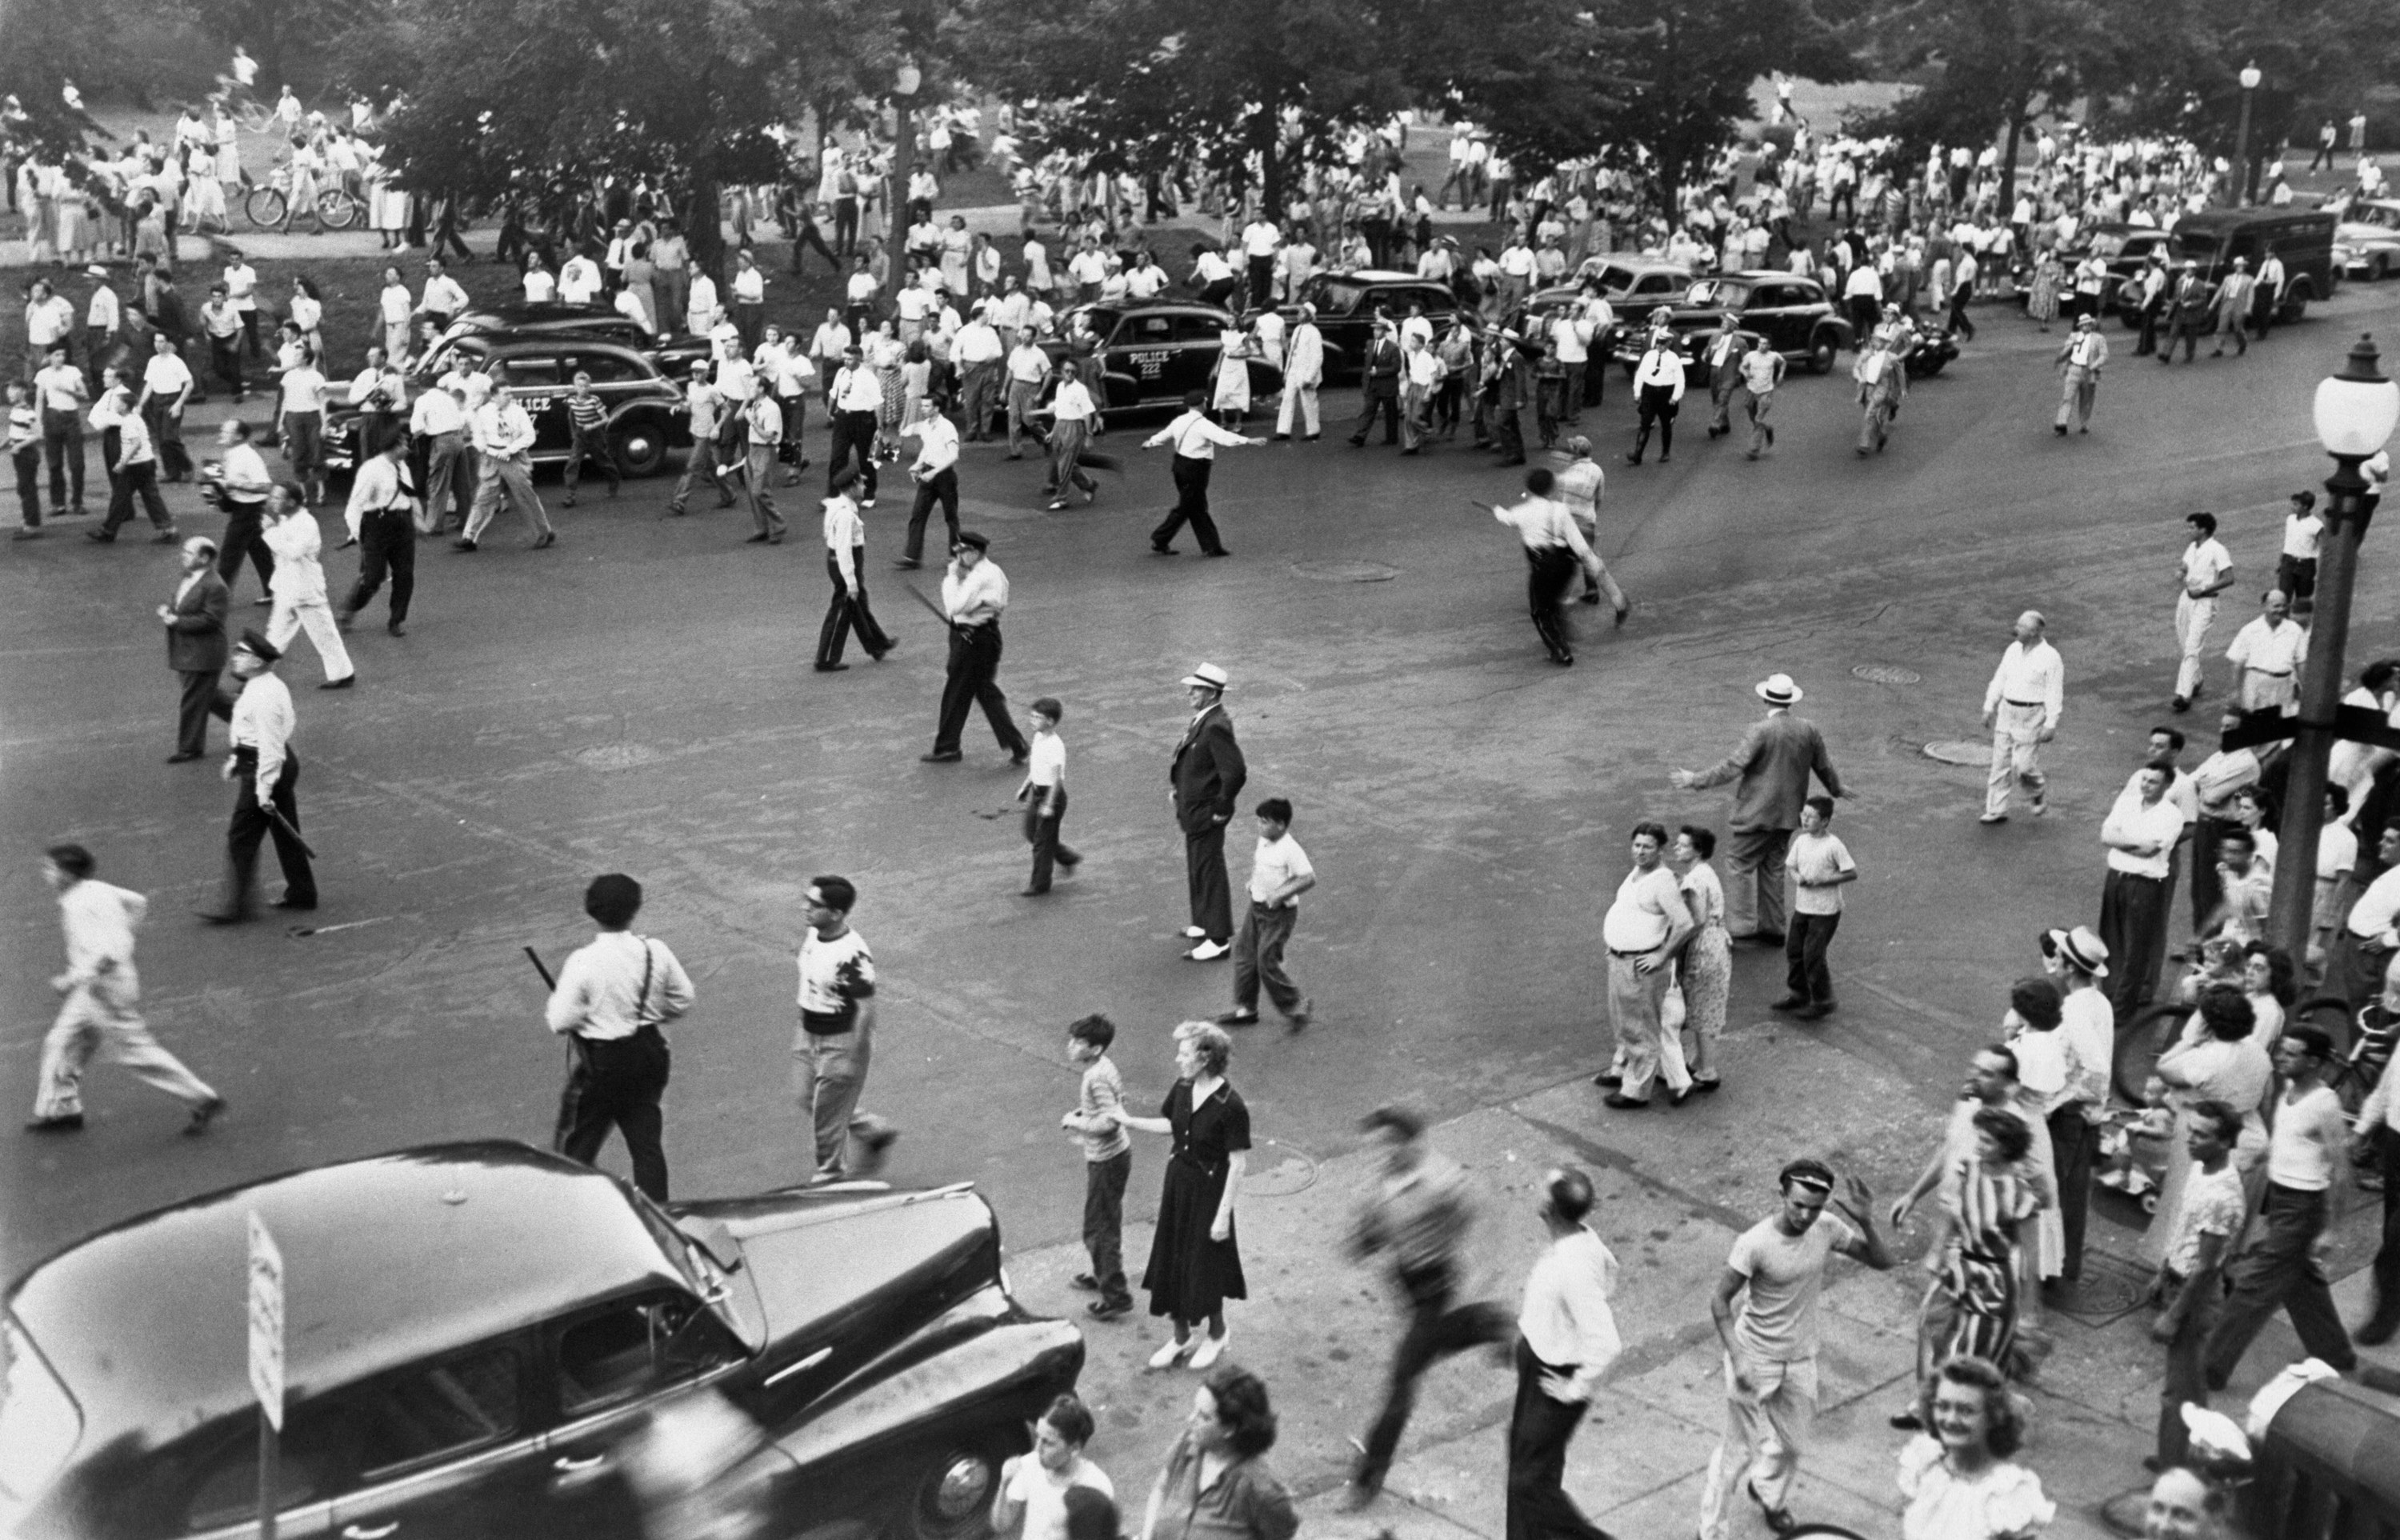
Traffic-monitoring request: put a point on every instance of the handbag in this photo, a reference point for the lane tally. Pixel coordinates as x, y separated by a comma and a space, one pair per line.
1672, 1010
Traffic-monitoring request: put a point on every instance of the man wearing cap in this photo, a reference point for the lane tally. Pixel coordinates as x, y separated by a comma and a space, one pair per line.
2077, 960
1195, 439
1303, 373
266, 777
2233, 291
2080, 359
503, 436
1207, 774
2269, 652
2204, 571
974, 594
195, 618
2188, 311
1658, 386
1579, 486
2021, 706
1773, 764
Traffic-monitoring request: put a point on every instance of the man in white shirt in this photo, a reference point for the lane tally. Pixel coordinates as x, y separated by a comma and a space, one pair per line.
439, 422
852, 399
60, 391
701, 312
2269, 652
935, 471
1261, 239
2141, 832
1028, 366
2080, 359
1567, 1339
2203, 571
2021, 706
2296, 570
1421, 371
1197, 440
1280, 872
1555, 546
1303, 373
441, 301
2077, 960
503, 437
615, 995
102, 1011
1659, 382
976, 354
133, 472
298, 587
1072, 413
380, 516
762, 427
845, 538
266, 773
1642, 930
975, 595
578, 279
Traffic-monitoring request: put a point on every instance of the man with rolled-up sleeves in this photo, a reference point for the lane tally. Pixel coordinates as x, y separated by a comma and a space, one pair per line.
1773, 764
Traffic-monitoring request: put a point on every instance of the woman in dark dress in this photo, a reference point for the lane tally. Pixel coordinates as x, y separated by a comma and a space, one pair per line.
1195, 1262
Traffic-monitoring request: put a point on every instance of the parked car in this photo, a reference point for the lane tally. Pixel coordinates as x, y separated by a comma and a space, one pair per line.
674, 354
1347, 305
2213, 238
1151, 351
646, 415
2366, 241
472, 1333
1792, 313
1634, 286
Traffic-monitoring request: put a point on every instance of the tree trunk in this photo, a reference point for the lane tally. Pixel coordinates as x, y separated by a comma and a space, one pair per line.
1269, 134
903, 166
2008, 161
704, 233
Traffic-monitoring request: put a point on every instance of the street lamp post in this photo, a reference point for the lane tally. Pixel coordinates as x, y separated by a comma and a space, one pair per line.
2355, 412
2243, 189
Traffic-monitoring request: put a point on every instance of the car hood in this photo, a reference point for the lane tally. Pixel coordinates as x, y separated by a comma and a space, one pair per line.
2354, 234
829, 1260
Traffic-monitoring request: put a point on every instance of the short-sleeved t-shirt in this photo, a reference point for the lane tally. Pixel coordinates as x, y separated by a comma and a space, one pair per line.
1786, 1274
1817, 857
1045, 1495
834, 975
1048, 762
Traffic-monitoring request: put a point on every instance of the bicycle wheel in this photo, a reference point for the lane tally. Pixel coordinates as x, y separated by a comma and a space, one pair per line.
337, 209
2331, 1015
2139, 1045
265, 208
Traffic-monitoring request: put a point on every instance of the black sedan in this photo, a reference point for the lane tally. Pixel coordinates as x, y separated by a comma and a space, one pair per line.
1151, 351
526, 319
1635, 287
646, 411
1348, 303
478, 1335
1792, 313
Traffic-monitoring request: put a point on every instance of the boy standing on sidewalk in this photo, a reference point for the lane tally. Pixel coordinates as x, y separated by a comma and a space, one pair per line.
1279, 874
1108, 1161
1820, 865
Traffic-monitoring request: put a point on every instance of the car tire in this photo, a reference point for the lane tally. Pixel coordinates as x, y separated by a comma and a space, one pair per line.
641, 446
951, 1498
1822, 349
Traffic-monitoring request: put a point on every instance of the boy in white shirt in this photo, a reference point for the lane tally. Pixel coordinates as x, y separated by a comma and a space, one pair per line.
1820, 865
1033, 1487
1279, 874
1044, 796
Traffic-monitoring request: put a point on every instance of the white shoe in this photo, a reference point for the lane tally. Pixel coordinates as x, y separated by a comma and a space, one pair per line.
1193, 933
1212, 1350
1209, 952
1165, 1357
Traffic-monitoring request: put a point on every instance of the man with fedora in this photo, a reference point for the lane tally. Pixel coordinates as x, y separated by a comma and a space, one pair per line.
2077, 960
2187, 313
2233, 291
975, 593
266, 777
195, 620
1773, 764
2080, 359
1207, 774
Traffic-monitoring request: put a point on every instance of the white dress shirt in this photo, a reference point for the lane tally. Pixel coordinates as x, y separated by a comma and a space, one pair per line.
99, 919
2029, 676
1072, 402
2160, 824
501, 428
442, 296
939, 448
845, 534
375, 487
1565, 1318
856, 388
263, 721
975, 597
2277, 650
1661, 366
616, 984
437, 412
299, 577
1195, 437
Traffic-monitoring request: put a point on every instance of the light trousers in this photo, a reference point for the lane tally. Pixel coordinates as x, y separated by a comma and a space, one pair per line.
2075, 400
1764, 1434
104, 1016
1298, 401
828, 1073
2016, 755
316, 618
513, 479
2193, 616
1645, 1050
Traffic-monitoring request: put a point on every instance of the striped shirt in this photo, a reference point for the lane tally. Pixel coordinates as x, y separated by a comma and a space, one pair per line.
587, 410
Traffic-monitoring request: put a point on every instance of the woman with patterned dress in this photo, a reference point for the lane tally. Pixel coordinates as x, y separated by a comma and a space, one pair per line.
2041, 299
1705, 970
1196, 1259
1995, 1199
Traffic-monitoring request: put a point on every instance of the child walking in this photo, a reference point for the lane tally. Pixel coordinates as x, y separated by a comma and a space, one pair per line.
1820, 865
1108, 1161
1044, 796
1279, 874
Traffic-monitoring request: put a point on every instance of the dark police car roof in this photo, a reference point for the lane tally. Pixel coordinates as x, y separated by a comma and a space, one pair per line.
146, 1324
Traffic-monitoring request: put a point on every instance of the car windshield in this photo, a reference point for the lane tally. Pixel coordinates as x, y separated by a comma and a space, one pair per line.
39, 1422
2106, 243
2370, 214
1338, 297
1717, 292
709, 1280
2199, 245
452, 352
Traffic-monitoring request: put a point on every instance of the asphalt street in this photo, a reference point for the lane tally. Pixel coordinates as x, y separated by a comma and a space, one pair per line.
639, 699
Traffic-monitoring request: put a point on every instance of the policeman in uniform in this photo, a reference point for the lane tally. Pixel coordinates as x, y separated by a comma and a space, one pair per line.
614, 998
266, 779
975, 593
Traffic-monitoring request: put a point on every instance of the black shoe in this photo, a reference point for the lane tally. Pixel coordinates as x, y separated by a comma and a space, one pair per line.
831, 668
2180, 703
1677, 1099
1706, 1088
1609, 1078
1161, 549
104, 537
464, 545
1618, 1099
755, 539
223, 917
71, 1124
1817, 1012
1108, 1310
1029, 890
1790, 1003
205, 1114
2375, 1334
1021, 756
1086, 1282
1220, 551
941, 756
1908, 1421
1778, 1520
1238, 1019
395, 629
181, 755
287, 902
548, 539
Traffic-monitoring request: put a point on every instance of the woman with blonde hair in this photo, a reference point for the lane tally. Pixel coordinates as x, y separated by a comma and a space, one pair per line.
1195, 1259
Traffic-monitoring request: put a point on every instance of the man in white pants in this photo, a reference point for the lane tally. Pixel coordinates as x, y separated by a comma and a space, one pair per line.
2021, 706
103, 1000
1304, 371
2207, 570
1643, 929
298, 587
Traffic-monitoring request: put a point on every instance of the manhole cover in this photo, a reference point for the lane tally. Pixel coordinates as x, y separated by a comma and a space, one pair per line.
1278, 1171
1887, 673
617, 755
2109, 1288
1959, 751
1346, 572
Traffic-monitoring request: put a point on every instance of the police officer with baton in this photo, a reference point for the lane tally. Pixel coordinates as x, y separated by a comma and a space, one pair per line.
266, 777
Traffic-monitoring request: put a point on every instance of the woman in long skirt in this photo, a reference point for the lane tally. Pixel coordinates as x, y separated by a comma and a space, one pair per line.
1231, 401
2041, 299
1979, 1281
1196, 1259
1706, 968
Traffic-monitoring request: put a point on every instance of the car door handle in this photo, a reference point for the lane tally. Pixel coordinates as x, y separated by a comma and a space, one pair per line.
570, 1465
360, 1532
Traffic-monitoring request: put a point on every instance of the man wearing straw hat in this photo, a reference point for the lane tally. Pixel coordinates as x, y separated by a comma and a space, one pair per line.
1773, 764
1208, 773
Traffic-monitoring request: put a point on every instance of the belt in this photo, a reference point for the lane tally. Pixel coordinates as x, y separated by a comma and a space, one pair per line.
1644, 952
2029, 705
2269, 673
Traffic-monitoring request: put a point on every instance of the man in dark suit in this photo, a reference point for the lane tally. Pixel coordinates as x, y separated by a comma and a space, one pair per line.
1771, 767
1380, 373
1207, 774
195, 620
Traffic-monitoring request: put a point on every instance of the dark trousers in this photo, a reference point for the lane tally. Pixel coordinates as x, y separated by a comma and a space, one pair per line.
1436, 1328
387, 543
166, 432
845, 224
2073, 1141
1257, 959
250, 824
2298, 577
941, 487
811, 236
853, 430
1657, 405
1509, 433
1804, 972
975, 664
28, 460
243, 534
191, 712
2207, 889
1043, 835
2185, 1381
135, 481
1386, 402
1539, 1430
617, 1084
2133, 926
699, 469
2277, 1270
2150, 338
1204, 869
63, 442
1191, 505
590, 444
1104, 1189
846, 614
1549, 573
2185, 329
1262, 282
2387, 1259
